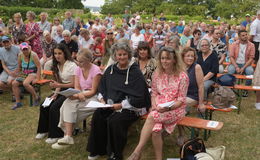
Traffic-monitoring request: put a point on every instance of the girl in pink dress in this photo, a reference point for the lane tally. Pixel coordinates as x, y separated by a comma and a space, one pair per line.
169, 83
33, 35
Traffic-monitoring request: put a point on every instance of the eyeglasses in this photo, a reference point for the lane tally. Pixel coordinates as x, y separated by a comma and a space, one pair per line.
204, 45
109, 33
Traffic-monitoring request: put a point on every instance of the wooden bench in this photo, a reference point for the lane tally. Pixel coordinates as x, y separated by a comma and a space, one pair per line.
200, 124
239, 77
228, 63
194, 122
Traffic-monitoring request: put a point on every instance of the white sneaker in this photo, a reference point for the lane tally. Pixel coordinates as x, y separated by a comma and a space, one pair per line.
41, 135
93, 157
66, 140
57, 146
51, 140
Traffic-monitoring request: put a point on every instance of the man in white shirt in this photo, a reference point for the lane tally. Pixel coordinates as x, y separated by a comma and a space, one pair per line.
255, 34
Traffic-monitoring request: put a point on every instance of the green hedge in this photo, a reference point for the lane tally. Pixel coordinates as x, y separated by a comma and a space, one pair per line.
8, 12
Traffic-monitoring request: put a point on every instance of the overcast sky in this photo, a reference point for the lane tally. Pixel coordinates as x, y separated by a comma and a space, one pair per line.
96, 3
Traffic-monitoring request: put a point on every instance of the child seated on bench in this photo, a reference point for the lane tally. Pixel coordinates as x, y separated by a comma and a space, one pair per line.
30, 72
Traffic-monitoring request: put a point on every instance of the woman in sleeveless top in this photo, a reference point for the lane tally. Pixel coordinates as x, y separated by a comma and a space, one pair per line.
33, 34
30, 67
195, 92
193, 42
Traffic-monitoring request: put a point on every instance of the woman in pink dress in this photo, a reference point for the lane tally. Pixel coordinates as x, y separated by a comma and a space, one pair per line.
33, 35
169, 83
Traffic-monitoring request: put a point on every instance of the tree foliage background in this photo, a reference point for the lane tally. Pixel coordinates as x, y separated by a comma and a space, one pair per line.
63, 4
214, 8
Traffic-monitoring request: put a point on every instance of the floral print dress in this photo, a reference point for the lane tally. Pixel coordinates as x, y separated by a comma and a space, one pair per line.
166, 88
33, 29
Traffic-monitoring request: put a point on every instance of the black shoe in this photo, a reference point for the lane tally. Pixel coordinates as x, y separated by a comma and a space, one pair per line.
1, 91
245, 94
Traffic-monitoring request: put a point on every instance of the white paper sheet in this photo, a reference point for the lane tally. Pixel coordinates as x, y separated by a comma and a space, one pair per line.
167, 104
95, 104
69, 92
233, 107
47, 102
250, 76
256, 87
212, 124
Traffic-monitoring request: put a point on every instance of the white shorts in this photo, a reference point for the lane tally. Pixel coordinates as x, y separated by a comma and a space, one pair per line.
4, 77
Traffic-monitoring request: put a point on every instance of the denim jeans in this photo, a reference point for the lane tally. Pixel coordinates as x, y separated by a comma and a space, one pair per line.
248, 71
207, 85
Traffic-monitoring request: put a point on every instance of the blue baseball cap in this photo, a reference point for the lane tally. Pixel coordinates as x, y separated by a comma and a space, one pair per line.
6, 38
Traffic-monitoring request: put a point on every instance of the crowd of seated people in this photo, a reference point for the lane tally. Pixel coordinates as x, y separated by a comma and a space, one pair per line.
133, 68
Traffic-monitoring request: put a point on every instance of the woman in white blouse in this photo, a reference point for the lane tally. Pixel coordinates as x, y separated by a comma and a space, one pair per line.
63, 72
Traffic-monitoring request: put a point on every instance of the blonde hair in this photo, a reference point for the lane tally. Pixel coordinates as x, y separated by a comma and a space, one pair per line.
178, 65
85, 54
17, 15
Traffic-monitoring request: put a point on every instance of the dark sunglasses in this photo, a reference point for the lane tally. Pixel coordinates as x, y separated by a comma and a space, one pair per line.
109, 33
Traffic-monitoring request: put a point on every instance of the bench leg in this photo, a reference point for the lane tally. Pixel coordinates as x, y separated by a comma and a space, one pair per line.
84, 125
239, 101
31, 100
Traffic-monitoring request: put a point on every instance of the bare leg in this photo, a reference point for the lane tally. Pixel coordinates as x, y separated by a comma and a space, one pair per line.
144, 137
157, 144
180, 139
16, 91
69, 128
29, 87
5, 86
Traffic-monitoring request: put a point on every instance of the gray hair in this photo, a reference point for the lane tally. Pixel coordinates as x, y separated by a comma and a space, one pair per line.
199, 45
121, 46
31, 13
86, 54
66, 33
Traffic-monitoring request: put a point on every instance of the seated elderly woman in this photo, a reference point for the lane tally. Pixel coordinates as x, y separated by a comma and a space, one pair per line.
71, 44
146, 62
30, 72
63, 70
208, 60
48, 45
123, 86
73, 110
169, 84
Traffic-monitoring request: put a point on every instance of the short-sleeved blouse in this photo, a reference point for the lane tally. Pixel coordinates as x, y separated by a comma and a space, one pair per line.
86, 84
67, 72
166, 88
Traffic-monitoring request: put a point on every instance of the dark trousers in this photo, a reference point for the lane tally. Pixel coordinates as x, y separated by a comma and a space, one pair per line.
109, 132
1, 68
256, 51
50, 117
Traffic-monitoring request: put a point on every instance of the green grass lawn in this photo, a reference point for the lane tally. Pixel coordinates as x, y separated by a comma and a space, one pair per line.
240, 134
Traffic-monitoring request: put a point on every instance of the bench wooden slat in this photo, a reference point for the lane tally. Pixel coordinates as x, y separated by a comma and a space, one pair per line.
43, 81
228, 63
238, 76
198, 123
46, 72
